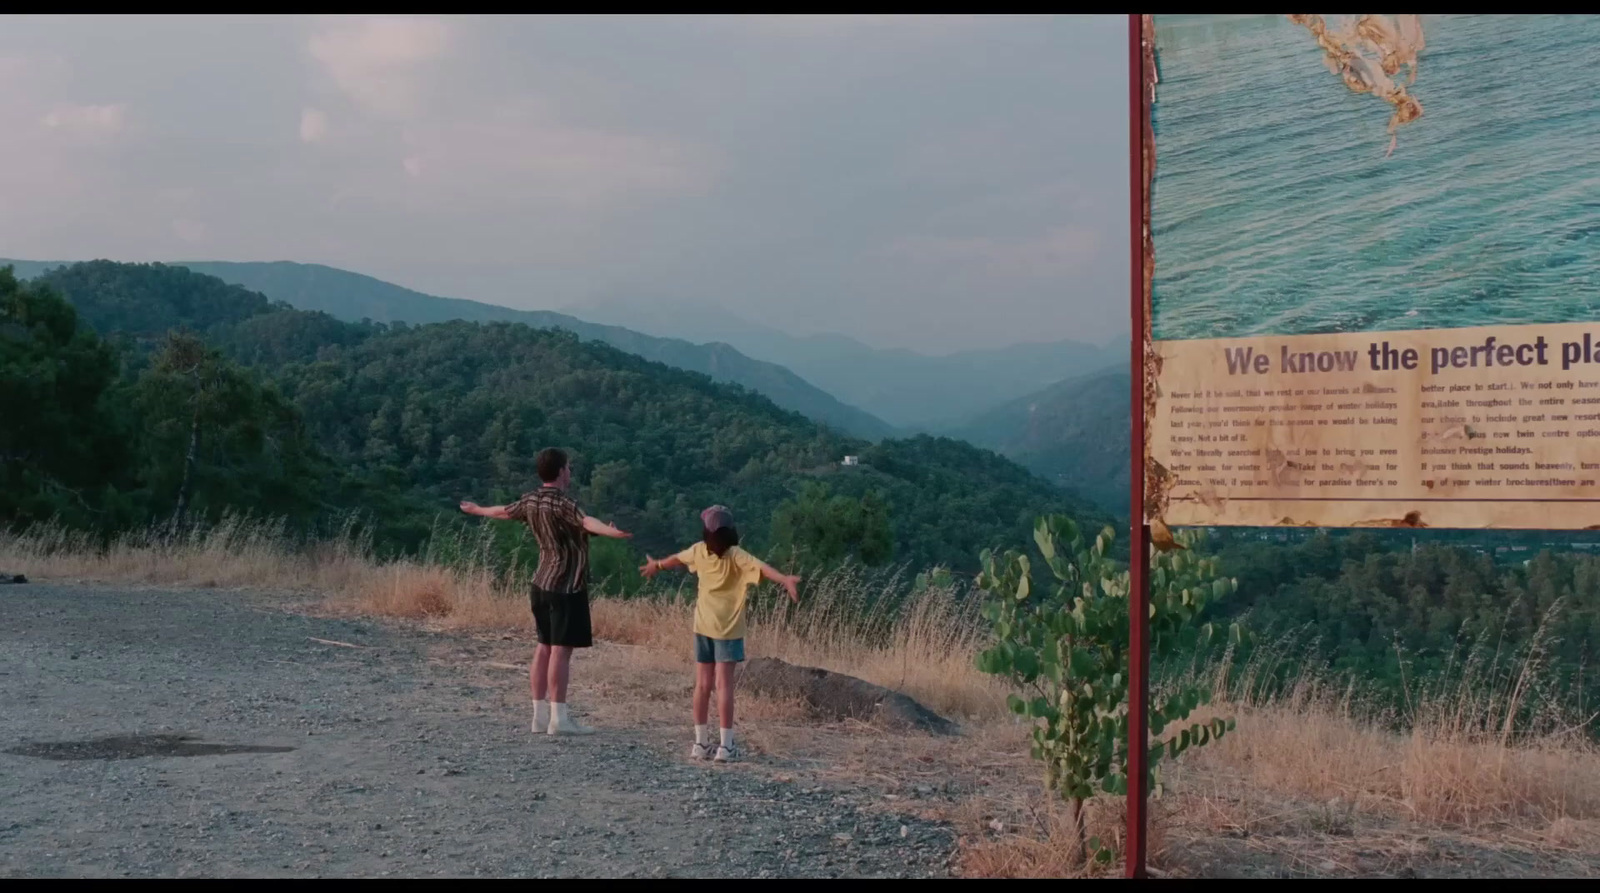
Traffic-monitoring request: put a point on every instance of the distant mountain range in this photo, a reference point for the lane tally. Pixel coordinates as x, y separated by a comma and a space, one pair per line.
398, 423
352, 297
1074, 433
1059, 409
907, 389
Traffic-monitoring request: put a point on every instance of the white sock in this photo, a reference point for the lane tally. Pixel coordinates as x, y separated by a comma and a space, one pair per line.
541, 713
727, 738
701, 733
558, 710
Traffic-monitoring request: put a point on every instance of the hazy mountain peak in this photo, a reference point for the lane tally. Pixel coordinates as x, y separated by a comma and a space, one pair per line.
354, 296
904, 387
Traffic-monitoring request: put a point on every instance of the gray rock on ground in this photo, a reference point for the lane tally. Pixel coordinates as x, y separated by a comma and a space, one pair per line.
838, 696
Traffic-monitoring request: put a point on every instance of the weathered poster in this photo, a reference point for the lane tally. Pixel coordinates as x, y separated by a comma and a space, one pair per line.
1375, 296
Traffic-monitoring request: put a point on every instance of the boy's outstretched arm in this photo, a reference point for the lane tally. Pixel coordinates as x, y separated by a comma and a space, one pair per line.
601, 528
497, 512
787, 581
651, 565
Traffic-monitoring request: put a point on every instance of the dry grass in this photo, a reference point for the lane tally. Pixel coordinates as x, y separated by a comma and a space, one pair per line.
236, 553
1311, 782
1042, 844
1434, 778
450, 599
925, 649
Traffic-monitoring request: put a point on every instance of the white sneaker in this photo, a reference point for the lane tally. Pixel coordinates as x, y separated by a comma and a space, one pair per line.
726, 754
562, 723
700, 752
568, 727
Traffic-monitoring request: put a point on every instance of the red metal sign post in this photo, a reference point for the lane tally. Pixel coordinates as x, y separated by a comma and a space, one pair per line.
1139, 532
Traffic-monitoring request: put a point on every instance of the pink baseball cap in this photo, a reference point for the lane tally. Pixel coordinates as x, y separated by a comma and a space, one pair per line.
716, 517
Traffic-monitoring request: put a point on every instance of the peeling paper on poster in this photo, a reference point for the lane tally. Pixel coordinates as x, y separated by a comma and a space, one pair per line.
1157, 480
1367, 52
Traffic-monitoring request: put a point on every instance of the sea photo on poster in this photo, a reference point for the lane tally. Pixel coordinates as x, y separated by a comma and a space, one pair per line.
1278, 207
1376, 288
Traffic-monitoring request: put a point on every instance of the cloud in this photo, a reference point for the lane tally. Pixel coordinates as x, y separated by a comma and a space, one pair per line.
90, 120
189, 230
32, 71
374, 60
473, 136
829, 24
820, 21
12, 67
313, 125
1059, 251
770, 158
520, 153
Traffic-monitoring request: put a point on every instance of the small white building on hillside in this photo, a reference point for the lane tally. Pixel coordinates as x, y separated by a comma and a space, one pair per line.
851, 460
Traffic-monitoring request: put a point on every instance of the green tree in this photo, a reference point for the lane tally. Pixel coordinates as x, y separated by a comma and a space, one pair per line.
1065, 646
151, 299
212, 435
822, 528
60, 445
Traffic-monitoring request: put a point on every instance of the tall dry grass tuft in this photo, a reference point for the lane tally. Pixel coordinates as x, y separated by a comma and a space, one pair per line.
1492, 740
237, 551
1043, 845
451, 598
242, 552
924, 646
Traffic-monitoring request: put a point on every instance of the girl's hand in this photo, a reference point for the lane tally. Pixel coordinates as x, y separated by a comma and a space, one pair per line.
470, 508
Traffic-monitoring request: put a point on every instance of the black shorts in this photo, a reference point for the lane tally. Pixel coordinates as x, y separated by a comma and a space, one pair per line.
562, 618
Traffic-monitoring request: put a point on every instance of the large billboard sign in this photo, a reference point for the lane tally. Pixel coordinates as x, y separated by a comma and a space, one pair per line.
1375, 289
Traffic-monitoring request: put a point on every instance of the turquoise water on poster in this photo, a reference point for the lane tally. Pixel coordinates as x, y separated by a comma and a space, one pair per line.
1274, 210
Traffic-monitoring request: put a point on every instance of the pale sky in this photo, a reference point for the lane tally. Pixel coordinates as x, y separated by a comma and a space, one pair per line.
922, 182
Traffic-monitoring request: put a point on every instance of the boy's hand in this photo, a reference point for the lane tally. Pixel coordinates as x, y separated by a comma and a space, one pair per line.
789, 584
649, 569
597, 527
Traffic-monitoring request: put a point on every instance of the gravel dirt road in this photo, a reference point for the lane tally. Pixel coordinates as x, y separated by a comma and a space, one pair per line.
158, 733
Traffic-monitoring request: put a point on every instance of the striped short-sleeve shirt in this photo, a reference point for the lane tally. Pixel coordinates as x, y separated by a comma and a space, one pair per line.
557, 525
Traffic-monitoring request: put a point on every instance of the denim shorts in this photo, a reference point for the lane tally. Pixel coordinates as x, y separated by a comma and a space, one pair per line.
718, 651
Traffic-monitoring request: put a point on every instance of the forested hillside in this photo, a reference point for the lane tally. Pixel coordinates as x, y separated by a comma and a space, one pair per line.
1407, 610
352, 297
1073, 433
401, 422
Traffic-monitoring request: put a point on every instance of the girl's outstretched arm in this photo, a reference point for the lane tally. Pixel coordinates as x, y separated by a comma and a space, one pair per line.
787, 581
651, 565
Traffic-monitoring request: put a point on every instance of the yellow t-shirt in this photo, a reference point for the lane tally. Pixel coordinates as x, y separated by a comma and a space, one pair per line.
724, 582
